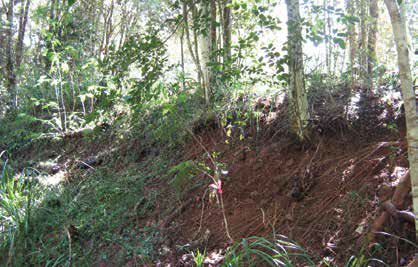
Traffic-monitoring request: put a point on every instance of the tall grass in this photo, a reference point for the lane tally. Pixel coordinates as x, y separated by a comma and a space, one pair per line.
259, 251
16, 202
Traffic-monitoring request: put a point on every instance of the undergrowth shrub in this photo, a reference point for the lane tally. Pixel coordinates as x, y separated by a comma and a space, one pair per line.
183, 173
18, 130
166, 121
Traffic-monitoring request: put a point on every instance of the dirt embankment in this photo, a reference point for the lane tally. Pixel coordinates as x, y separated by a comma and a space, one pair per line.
324, 196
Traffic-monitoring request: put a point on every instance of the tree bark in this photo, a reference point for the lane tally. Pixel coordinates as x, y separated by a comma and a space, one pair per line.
298, 103
371, 45
352, 43
363, 44
193, 53
183, 81
213, 47
10, 65
227, 34
408, 94
22, 30
327, 46
205, 48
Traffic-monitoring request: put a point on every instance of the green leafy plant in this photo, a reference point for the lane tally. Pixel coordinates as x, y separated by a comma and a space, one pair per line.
199, 258
183, 175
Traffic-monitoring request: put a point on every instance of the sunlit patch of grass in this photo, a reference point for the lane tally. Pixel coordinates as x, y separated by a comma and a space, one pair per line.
106, 207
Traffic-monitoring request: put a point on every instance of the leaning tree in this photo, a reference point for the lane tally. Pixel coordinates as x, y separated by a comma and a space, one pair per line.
408, 94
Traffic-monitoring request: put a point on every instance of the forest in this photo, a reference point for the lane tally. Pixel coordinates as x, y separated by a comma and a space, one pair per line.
208, 133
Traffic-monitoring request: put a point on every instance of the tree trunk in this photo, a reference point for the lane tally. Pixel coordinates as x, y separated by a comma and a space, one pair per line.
298, 103
51, 29
205, 48
212, 48
363, 43
352, 43
401, 41
22, 30
327, 46
371, 45
227, 34
109, 29
10, 65
183, 81
193, 52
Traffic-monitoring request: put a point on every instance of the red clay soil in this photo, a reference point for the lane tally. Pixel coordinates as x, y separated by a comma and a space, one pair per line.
348, 182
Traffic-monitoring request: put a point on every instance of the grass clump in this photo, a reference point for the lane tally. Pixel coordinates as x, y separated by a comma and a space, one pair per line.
259, 251
17, 200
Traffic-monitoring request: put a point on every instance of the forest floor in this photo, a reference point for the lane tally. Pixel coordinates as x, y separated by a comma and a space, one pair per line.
122, 203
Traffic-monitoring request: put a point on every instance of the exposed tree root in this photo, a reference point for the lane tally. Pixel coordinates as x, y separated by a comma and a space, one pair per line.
398, 214
393, 207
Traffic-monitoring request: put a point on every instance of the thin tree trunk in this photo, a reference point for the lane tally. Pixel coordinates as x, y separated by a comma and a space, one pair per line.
352, 43
64, 110
10, 65
22, 30
51, 30
227, 34
205, 44
201, 77
401, 41
298, 104
213, 47
182, 60
195, 54
327, 60
363, 43
109, 28
96, 26
371, 45
123, 25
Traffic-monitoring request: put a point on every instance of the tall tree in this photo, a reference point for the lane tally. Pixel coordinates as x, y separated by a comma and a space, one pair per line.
408, 94
298, 103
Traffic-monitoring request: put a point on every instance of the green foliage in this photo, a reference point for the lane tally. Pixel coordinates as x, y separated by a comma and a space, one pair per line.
315, 27
146, 55
104, 210
183, 176
199, 258
265, 67
258, 251
71, 2
164, 120
16, 204
19, 130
